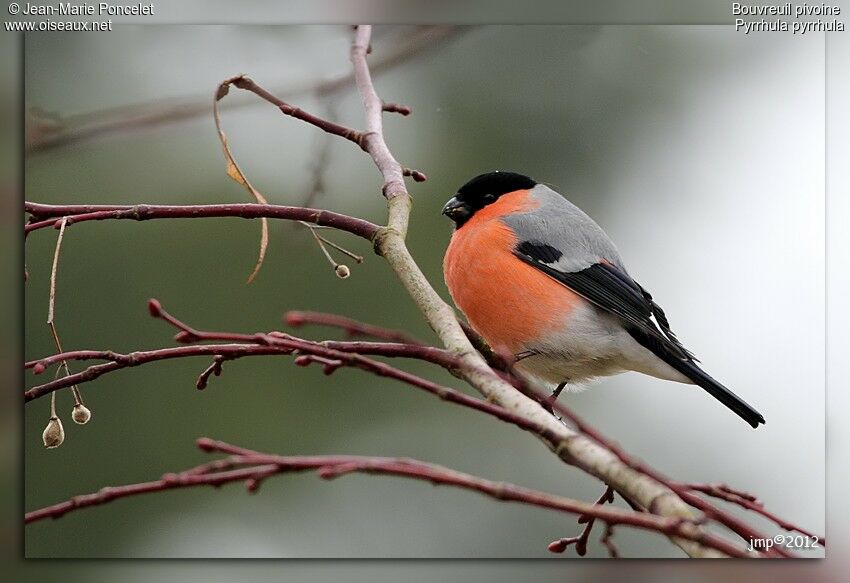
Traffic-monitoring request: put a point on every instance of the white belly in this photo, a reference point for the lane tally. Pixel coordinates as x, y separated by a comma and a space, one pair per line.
593, 344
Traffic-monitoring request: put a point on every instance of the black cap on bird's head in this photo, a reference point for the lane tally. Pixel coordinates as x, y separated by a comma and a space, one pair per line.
482, 190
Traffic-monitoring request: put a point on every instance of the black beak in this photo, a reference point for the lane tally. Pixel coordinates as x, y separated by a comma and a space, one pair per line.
457, 210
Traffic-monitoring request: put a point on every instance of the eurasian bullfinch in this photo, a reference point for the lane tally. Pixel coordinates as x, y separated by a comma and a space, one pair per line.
538, 278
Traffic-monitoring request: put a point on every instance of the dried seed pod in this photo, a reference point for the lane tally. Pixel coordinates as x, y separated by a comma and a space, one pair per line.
54, 433
81, 414
342, 271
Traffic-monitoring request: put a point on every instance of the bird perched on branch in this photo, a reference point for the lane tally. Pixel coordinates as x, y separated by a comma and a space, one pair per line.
537, 277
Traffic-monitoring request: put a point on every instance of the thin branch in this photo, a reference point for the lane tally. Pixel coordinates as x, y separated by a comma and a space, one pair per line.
580, 541
341, 270
398, 108
248, 84
271, 344
351, 327
608, 542
253, 467
751, 503
357, 258
45, 215
118, 361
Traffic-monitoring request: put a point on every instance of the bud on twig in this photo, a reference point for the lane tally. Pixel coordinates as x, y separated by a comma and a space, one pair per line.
155, 308
557, 546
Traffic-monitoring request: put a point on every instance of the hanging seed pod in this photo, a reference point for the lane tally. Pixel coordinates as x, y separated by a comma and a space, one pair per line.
81, 414
54, 433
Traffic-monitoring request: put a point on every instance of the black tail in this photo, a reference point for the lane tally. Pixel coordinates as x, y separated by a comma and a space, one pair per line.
701, 379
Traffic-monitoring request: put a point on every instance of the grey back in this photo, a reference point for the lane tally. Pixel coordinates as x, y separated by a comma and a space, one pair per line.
561, 224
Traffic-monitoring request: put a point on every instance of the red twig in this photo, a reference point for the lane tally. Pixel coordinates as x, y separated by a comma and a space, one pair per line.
119, 361
352, 328
580, 541
750, 502
349, 356
607, 540
213, 369
253, 467
397, 108
416, 175
269, 344
50, 215
248, 84
430, 354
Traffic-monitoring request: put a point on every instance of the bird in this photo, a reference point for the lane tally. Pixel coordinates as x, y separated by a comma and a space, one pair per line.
540, 280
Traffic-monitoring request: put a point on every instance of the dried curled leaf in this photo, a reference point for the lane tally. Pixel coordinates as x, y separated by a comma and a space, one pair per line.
235, 173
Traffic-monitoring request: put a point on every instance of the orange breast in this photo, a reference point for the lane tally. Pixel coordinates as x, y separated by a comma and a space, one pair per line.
507, 301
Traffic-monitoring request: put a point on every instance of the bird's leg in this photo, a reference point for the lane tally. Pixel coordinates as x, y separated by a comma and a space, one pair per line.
548, 403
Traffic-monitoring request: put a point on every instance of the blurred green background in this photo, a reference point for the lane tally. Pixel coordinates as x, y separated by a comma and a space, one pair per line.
700, 151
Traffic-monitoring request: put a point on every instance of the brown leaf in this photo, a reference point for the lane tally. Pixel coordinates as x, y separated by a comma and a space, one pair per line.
235, 173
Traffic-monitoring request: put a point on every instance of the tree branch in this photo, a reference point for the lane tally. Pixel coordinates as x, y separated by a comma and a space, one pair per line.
352, 328
253, 467
580, 541
44, 215
751, 503
330, 354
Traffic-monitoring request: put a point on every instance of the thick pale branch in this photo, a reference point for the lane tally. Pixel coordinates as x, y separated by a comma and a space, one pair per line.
373, 141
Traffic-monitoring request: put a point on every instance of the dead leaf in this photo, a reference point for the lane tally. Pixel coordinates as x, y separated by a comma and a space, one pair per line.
235, 173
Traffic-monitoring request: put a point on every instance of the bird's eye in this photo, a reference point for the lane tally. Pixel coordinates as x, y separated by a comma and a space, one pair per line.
489, 197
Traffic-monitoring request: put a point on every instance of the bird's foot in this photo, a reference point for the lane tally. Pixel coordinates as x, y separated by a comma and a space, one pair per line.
549, 402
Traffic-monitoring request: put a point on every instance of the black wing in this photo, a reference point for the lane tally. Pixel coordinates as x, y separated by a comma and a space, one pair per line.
611, 289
